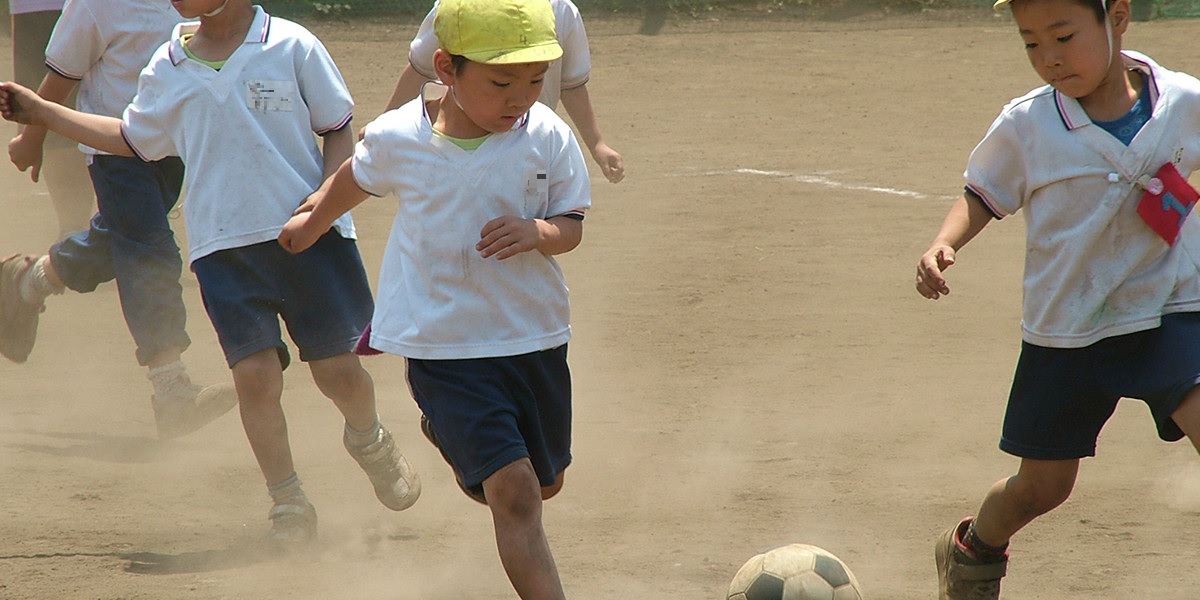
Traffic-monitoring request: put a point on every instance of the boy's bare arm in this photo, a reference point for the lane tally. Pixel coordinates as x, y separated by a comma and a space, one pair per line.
508, 236
25, 150
337, 195
578, 103
967, 217
336, 147
22, 105
407, 87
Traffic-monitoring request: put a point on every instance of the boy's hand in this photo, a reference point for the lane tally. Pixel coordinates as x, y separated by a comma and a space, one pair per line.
25, 153
508, 236
296, 236
610, 161
930, 281
18, 103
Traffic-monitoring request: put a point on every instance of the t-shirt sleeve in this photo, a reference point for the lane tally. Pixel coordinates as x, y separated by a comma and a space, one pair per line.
144, 122
577, 57
424, 44
371, 160
77, 42
570, 188
996, 171
330, 105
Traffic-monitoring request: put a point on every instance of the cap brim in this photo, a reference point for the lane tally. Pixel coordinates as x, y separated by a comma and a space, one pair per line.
532, 54
1000, 4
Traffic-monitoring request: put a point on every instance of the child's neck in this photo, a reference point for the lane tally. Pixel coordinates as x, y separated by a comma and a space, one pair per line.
1115, 97
449, 119
220, 35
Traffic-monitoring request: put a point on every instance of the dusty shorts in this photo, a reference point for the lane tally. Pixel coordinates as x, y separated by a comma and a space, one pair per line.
489, 412
322, 296
1062, 397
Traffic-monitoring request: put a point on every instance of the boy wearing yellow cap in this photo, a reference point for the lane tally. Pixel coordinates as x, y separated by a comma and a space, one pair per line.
1097, 159
491, 185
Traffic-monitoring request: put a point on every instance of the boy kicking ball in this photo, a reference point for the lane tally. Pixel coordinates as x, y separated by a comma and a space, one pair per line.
1098, 161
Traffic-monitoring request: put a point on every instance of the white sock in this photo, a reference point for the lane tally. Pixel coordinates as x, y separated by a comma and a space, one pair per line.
35, 287
362, 439
165, 376
287, 491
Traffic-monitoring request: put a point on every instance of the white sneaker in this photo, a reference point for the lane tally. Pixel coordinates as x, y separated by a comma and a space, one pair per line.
184, 407
396, 483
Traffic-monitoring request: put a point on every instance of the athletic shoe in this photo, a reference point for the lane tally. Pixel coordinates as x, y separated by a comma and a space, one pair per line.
962, 576
475, 494
292, 523
396, 484
18, 318
185, 407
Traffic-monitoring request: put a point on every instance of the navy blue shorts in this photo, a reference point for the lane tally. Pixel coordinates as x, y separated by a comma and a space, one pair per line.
1062, 397
490, 412
322, 294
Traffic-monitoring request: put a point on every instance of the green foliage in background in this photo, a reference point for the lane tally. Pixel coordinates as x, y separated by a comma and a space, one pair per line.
343, 9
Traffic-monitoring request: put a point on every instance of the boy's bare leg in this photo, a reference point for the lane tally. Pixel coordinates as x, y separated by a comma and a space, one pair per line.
1038, 487
65, 173
343, 380
515, 498
259, 382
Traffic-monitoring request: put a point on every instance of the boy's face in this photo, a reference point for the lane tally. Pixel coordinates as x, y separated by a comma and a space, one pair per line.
191, 9
494, 97
1066, 45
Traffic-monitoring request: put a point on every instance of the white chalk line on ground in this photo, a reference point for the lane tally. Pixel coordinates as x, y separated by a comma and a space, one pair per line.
826, 181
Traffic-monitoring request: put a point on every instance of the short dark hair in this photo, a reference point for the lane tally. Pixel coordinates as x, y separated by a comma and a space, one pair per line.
458, 61
1099, 8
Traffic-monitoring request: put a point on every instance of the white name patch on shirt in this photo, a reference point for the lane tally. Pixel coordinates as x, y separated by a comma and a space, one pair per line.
270, 96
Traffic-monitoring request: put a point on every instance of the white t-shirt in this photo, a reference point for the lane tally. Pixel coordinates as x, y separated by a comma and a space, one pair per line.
246, 132
568, 72
20, 7
104, 44
437, 297
1093, 268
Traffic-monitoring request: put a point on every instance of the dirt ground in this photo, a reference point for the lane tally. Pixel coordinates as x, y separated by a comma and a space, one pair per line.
752, 365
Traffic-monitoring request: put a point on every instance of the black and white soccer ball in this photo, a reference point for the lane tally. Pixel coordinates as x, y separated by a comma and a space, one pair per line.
794, 572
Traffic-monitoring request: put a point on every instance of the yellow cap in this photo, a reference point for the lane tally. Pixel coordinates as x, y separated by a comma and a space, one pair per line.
1002, 3
498, 32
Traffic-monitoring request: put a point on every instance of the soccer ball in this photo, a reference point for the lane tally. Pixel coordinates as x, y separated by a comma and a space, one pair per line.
794, 572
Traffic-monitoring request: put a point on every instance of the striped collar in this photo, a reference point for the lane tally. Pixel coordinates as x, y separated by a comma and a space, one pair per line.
259, 30
1071, 112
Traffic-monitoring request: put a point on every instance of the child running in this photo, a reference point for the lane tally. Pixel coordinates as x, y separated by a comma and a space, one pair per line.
491, 185
1097, 160
567, 78
100, 47
238, 96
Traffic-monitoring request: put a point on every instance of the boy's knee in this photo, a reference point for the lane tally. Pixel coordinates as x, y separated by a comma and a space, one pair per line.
340, 376
1036, 496
514, 491
258, 374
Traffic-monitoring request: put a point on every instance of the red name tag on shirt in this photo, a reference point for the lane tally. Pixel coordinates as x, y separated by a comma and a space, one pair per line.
1166, 202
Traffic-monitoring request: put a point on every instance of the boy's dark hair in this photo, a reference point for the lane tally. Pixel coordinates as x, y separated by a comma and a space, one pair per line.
1098, 7
459, 62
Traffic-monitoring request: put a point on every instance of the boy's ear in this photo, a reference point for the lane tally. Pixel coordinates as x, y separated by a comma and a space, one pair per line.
444, 65
1119, 14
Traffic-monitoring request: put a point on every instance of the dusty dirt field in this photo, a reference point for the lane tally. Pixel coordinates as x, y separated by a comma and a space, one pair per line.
752, 365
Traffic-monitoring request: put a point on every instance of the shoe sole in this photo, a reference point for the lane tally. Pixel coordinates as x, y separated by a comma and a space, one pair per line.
427, 431
212, 402
18, 319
